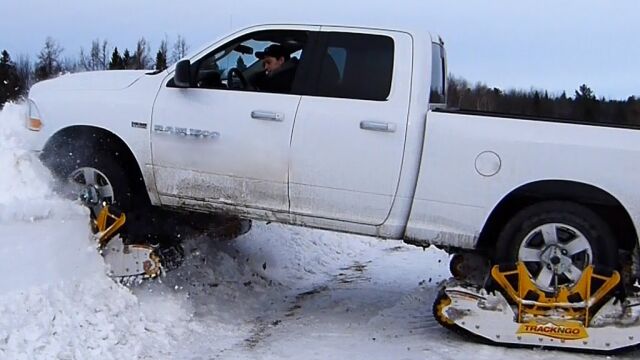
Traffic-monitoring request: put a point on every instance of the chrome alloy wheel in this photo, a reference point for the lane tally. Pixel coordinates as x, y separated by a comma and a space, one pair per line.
555, 255
92, 187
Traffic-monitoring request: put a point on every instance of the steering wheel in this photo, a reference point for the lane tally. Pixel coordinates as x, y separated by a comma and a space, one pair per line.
238, 74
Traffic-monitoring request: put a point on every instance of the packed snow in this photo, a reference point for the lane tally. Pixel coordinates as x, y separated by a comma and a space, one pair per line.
277, 292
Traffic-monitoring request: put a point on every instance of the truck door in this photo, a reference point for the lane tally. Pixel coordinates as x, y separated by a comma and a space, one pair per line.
349, 135
224, 140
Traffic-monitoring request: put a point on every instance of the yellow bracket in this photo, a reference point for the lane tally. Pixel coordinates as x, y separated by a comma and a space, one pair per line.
106, 225
575, 301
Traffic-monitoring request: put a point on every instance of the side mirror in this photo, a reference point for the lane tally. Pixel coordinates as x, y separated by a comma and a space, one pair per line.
182, 75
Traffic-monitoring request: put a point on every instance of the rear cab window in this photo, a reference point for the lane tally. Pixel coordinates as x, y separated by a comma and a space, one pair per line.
355, 66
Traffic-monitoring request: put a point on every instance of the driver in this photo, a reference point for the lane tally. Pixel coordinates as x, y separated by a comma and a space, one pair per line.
279, 69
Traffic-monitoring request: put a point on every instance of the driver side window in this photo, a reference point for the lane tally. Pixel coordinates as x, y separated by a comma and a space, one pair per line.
265, 61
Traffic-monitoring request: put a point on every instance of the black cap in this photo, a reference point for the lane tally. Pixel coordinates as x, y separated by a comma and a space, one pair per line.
274, 50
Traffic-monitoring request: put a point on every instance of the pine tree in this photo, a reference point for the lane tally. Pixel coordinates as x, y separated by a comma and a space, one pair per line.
536, 103
161, 61
161, 56
126, 59
586, 106
5, 58
585, 92
116, 63
11, 85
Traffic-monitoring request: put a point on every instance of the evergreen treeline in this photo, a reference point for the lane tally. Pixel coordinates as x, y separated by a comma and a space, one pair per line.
12, 84
17, 76
582, 106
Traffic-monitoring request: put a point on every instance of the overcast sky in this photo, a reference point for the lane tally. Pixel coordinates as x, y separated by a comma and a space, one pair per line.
547, 44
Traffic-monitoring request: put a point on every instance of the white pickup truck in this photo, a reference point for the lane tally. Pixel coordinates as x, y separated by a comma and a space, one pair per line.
360, 141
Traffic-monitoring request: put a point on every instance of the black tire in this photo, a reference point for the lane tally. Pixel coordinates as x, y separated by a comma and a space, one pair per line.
67, 166
573, 226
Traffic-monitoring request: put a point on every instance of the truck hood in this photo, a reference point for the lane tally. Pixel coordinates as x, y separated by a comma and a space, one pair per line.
95, 80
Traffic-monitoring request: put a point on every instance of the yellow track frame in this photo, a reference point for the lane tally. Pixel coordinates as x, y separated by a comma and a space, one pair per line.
106, 226
574, 303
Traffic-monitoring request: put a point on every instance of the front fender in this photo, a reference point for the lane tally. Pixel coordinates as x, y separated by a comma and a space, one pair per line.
125, 113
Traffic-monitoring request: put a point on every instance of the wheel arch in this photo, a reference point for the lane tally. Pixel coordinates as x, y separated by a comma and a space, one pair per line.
598, 200
102, 140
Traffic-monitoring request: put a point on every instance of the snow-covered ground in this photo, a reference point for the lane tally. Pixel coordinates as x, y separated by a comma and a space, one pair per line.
278, 292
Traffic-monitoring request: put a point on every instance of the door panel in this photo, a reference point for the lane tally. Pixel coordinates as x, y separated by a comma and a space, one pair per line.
227, 156
348, 140
224, 140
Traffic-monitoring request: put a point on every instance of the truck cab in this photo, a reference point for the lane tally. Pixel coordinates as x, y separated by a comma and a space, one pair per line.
338, 149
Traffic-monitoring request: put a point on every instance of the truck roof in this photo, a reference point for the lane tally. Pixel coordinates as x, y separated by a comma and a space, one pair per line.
413, 30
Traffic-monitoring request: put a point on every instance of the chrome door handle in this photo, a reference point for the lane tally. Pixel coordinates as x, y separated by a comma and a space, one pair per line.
377, 126
267, 115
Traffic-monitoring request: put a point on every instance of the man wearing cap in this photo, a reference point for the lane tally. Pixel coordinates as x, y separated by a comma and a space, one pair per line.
279, 69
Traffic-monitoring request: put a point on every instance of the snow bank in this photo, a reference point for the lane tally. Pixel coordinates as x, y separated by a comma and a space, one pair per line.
25, 193
43, 238
55, 299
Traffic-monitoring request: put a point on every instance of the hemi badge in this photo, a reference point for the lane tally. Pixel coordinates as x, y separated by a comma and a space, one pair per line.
138, 125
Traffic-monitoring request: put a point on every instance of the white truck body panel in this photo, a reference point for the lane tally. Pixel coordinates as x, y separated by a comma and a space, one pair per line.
451, 205
97, 80
340, 169
71, 100
244, 163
